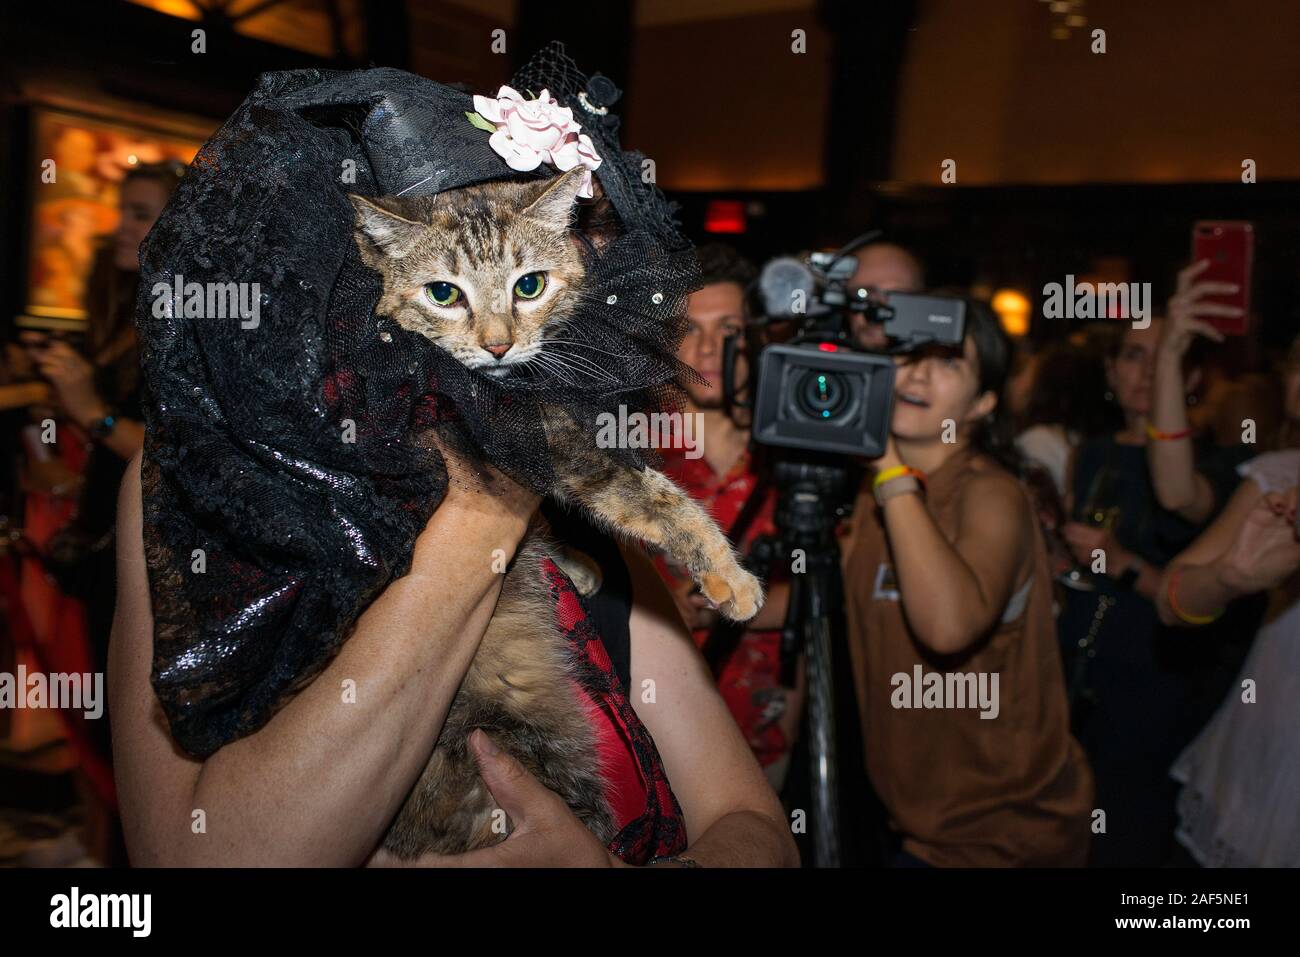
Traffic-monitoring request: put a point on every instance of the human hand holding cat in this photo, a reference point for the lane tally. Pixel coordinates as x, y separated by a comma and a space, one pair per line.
481, 502
480, 486
546, 833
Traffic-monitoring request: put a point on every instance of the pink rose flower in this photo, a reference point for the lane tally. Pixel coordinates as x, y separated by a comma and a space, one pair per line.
531, 132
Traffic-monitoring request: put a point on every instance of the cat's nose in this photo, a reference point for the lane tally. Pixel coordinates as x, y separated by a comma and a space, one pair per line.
499, 349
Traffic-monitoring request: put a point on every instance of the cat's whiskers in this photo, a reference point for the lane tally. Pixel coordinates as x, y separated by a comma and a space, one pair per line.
554, 359
548, 364
586, 374
581, 364
585, 345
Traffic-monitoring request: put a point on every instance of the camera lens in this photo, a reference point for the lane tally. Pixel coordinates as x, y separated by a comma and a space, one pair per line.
821, 395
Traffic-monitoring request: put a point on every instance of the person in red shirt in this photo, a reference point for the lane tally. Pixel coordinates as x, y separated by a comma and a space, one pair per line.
718, 471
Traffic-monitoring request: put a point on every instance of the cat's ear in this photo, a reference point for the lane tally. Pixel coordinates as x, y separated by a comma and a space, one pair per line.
387, 230
556, 205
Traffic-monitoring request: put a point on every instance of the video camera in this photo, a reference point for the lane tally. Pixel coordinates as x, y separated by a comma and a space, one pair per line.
821, 391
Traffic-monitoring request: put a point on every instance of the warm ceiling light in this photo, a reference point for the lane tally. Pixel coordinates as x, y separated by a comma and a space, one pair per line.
173, 8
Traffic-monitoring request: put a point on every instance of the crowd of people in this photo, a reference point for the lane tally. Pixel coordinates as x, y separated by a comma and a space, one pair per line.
1100, 534
1110, 531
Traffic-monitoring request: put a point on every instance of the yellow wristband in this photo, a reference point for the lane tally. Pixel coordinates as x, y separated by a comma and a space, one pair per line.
897, 472
1186, 617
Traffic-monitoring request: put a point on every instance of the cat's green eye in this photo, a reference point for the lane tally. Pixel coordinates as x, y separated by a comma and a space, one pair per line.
442, 293
530, 286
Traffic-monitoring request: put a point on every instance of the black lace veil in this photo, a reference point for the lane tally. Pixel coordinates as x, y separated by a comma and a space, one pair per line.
283, 486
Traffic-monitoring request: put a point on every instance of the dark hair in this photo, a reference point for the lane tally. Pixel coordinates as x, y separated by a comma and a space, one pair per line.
1069, 381
721, 263
166, 174
993, 354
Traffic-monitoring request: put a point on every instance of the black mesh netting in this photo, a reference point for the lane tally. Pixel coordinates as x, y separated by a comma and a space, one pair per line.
284, 485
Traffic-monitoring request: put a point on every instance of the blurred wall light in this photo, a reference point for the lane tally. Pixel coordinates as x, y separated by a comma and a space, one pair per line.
1012, 307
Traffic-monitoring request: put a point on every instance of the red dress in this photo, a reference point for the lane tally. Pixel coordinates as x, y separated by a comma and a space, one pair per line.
750, 682
645, 809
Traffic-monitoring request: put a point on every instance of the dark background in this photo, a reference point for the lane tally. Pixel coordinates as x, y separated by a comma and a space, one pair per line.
1066, 158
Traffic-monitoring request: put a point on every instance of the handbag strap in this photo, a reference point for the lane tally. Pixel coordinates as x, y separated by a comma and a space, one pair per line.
1086, 651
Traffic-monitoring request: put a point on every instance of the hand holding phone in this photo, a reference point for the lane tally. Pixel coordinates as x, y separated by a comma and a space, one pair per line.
1228, 249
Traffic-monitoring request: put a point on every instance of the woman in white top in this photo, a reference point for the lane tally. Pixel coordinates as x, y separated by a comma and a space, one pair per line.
1061, 409
1241, 775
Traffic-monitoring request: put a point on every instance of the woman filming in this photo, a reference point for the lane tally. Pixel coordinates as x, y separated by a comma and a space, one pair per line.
953, 648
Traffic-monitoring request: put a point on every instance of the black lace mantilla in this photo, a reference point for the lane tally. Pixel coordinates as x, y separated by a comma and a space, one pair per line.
283, 483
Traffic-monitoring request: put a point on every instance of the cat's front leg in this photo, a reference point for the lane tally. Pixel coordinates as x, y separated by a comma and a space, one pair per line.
648, 505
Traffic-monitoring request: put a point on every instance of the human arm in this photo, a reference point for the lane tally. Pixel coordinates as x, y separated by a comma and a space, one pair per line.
772, 615
954, 592
1085, 541
732, 815
1178, 486
72, 379
1250, 547
729, 807
319, 783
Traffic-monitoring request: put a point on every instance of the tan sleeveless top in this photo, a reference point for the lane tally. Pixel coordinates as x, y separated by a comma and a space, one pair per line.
1012, 788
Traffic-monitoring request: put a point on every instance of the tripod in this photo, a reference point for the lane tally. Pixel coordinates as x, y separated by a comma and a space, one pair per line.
812, 495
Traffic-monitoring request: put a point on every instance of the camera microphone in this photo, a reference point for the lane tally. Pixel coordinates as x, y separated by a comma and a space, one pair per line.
788, 289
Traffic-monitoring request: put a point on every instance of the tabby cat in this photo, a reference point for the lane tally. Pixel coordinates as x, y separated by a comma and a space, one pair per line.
489, 273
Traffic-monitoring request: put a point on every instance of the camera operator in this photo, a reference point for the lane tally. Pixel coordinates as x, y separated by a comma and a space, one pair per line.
723, 479
948, 587
884, 267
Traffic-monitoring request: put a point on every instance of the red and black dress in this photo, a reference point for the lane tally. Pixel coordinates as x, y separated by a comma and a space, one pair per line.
645, 810
750, 680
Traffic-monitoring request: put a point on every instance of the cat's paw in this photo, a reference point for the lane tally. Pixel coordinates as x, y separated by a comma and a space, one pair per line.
581, 569
736, 593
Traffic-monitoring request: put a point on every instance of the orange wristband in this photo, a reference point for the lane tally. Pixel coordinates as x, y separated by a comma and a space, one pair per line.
1154, 433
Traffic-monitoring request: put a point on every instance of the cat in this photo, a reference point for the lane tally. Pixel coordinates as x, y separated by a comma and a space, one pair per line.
489, 273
